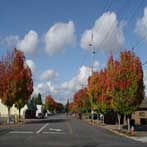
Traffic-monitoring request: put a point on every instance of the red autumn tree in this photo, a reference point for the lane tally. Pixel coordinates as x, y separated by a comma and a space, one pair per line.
7, 82
93, 89
24, 80
97, 89
72, 107
103, 99
13, 78
81, 100
128, 87
50, 103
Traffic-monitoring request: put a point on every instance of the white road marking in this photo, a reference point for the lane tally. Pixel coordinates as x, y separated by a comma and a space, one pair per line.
21, 132
56, 130
53, 133
42, 128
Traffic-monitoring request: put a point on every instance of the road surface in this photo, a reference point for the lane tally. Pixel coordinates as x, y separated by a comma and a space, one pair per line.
62, 131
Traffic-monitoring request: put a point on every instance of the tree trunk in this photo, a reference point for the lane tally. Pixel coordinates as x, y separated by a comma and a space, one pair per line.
124, 121
103, 119
19, 114
8, 120
128, 121
119, 117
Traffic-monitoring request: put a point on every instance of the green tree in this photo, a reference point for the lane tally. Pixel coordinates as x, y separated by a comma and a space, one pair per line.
67, 106
37, 99
31, 106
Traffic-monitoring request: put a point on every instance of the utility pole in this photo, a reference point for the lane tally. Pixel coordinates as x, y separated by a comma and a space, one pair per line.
92, 68
93, 52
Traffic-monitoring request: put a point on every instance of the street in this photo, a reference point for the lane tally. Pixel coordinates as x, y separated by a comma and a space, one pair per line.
62, 131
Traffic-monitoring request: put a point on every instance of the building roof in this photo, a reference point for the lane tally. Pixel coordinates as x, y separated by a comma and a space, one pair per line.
143, 105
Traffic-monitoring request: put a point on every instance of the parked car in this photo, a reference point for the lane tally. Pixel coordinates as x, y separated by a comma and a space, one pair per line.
40, 115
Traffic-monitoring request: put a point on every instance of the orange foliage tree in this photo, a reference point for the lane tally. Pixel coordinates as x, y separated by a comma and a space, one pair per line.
118, 87
50, 103
16, 84
127, 84
24, 80
81, 101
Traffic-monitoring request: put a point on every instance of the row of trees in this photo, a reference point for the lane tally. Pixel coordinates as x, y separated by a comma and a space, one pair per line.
52, 105
118, 87
16, 84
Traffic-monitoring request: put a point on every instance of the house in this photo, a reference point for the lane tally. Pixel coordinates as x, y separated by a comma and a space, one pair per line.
13, 110
140, 115
39, 112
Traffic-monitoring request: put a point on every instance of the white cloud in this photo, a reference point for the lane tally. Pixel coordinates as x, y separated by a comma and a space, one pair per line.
29, 43
141, 25
52, 88
48, 75
59, 36
46, 88
107, 34
83, 75
31, 64
77, 82
10, 41
67, 89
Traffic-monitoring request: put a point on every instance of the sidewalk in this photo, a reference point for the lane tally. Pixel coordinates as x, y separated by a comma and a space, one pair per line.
140, 133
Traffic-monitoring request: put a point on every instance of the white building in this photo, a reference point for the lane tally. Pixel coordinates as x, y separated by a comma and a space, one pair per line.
13, 110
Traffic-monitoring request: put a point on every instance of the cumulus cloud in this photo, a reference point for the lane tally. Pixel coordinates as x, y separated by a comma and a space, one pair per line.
67, 89
78, 81
107, 34
31, 64
48, 75
46, 88
141, 25
29, 43
59, 36
10, 41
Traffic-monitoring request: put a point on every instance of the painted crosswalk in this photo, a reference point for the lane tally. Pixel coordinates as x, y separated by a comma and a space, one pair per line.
57, 131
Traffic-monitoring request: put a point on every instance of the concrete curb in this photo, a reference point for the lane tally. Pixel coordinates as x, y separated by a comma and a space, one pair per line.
139, 139
6, 126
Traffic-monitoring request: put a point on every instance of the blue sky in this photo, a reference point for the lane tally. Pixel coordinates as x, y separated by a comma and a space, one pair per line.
55, 34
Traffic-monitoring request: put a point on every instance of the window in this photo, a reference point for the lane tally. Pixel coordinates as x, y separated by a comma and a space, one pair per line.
142, 114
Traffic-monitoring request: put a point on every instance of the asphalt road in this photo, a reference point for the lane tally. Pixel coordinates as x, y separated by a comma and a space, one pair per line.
62, 131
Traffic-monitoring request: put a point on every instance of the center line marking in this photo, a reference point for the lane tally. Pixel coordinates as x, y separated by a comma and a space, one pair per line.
42, 128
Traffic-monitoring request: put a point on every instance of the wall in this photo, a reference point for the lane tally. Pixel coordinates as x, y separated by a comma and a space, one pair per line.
138, 115
13, 110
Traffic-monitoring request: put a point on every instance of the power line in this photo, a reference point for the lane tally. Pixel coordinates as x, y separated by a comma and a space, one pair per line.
111, 31
136, 12
107, 6
139, 42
